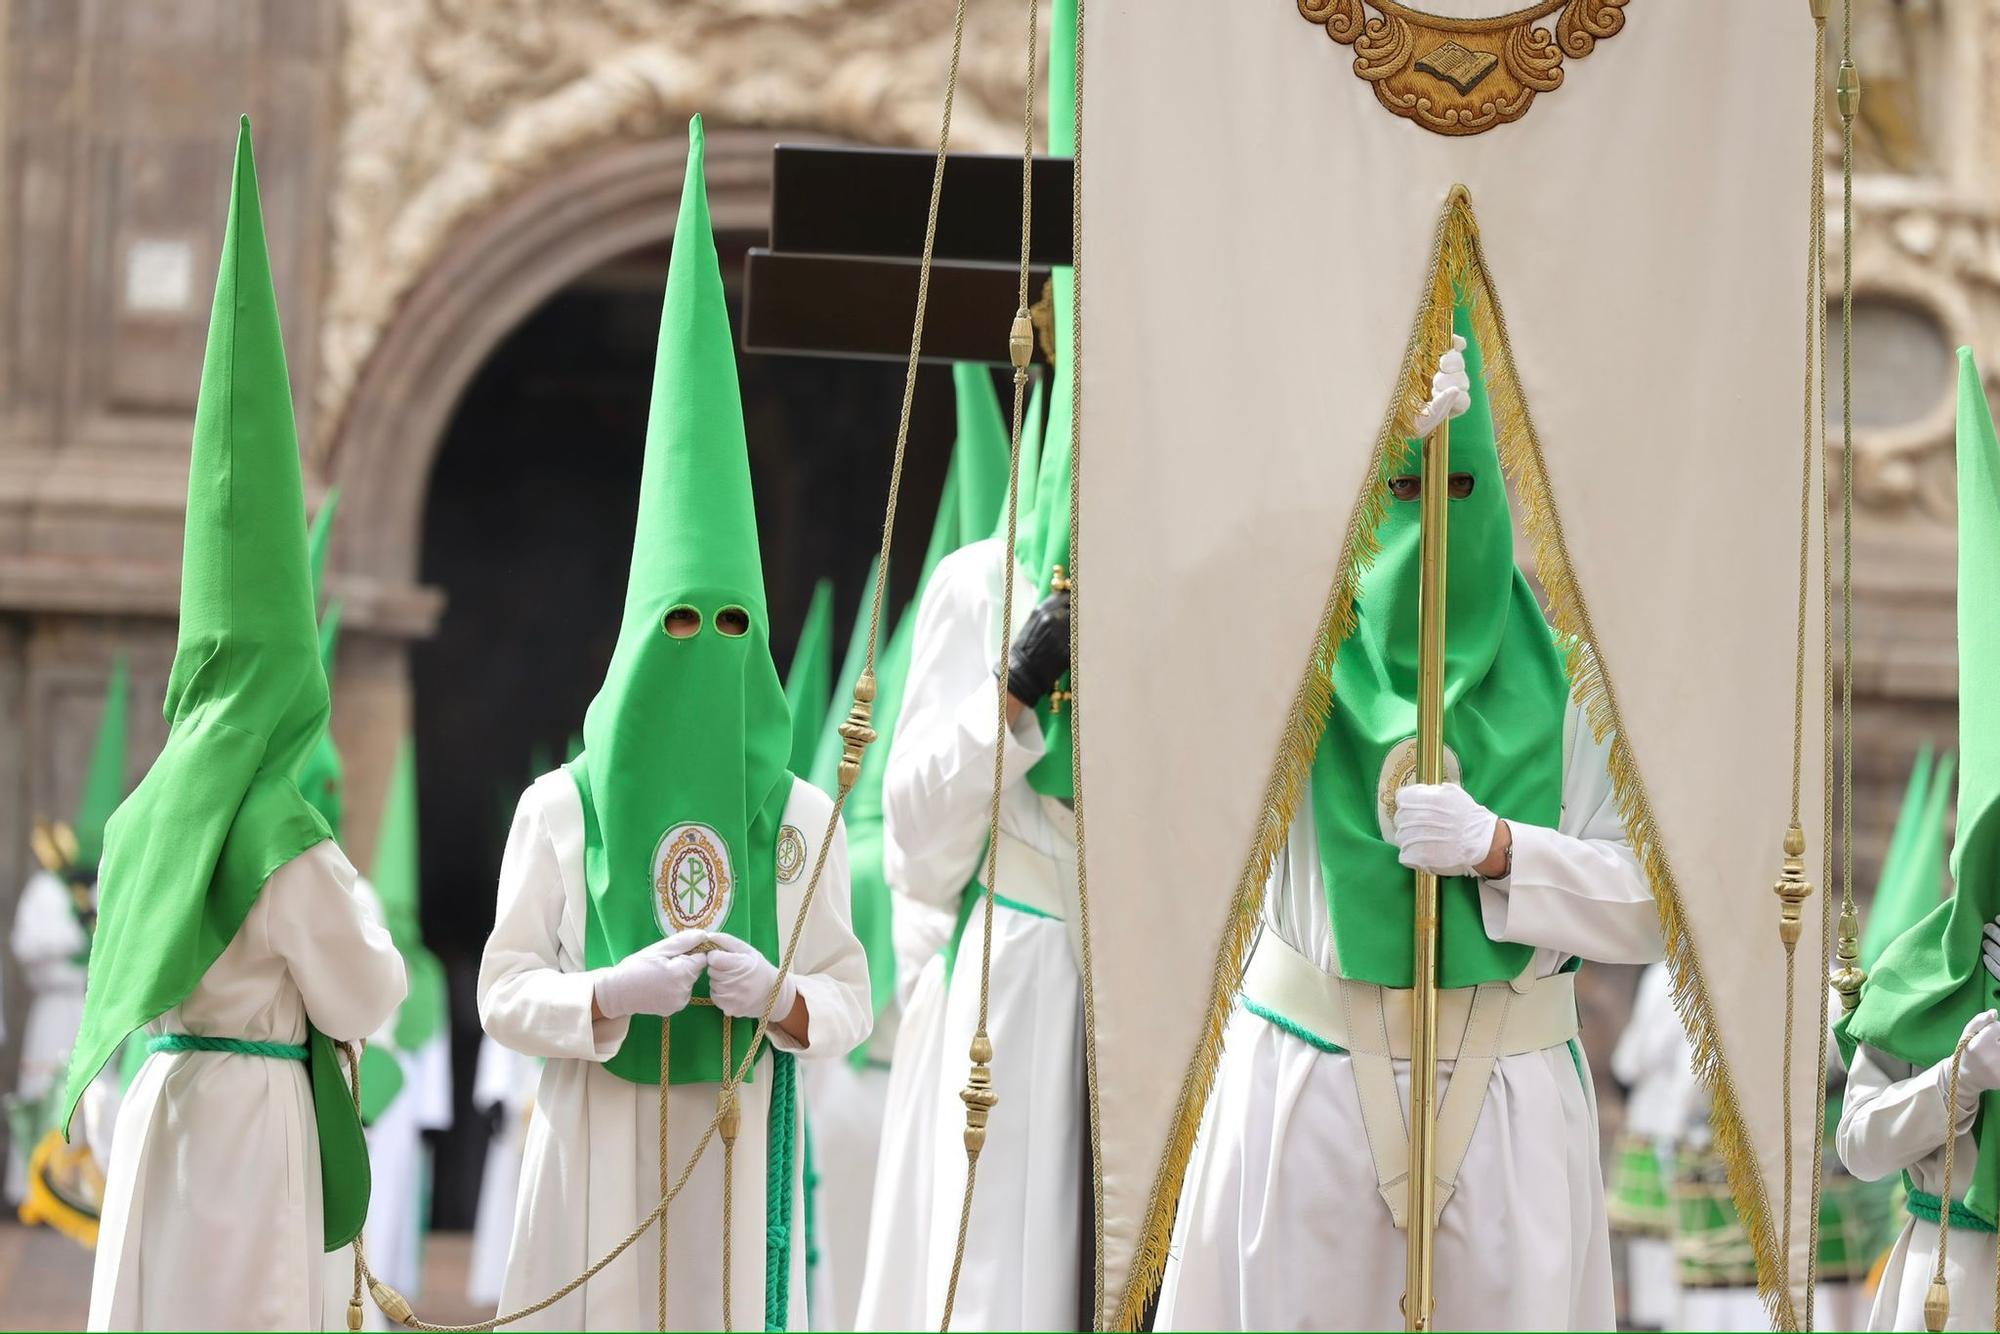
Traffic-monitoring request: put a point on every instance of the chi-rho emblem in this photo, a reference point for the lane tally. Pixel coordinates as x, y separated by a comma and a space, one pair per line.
791, 853
692, 880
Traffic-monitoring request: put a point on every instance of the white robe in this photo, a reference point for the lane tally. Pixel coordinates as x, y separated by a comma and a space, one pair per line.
1022, 1255
1652, 1060
1281, 1225
503, 1082
892, 1295
212, 1203
591, 1170
1893, 1120
844, 1117
46, 941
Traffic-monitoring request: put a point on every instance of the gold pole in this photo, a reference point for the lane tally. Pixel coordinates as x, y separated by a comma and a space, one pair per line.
1421, 1217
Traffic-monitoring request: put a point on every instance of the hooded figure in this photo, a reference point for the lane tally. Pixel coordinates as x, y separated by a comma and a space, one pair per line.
1937, 983
51, 943
1022, 1265
227, 921
654, 881
875, 1104
1536, 874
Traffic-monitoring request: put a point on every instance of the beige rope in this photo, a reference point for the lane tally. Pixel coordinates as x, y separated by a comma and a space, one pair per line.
666, 1050
981, 1052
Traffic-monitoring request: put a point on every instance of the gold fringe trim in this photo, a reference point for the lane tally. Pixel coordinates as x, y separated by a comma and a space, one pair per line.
1458, 263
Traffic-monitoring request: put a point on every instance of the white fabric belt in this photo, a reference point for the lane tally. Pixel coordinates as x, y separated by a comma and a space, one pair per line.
1476, 1026
1028, 876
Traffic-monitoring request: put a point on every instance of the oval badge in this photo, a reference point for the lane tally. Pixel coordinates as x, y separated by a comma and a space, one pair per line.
692, 881
791, 854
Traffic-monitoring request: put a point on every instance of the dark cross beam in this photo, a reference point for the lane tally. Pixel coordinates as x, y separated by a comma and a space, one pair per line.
839, 278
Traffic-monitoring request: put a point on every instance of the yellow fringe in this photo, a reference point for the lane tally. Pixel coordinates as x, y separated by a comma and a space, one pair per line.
1458, 264
44, 1206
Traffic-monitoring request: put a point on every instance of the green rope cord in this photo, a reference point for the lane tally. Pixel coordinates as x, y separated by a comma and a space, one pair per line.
1293, 1027
812, 1194
276, 1051
778, 1164
1922, 1204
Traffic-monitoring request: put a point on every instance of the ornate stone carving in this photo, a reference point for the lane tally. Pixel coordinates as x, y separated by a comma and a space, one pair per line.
1464, 75
451, 106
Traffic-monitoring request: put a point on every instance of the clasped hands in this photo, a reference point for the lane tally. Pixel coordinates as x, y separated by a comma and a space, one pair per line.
660, 978
1441, 829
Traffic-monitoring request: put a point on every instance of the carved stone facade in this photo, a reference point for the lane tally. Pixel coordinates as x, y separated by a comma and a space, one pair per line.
433, 169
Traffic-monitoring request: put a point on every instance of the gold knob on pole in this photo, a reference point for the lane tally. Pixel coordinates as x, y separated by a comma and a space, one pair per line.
855, 732
1021, 340
1847, 978
1792, 889
1937, 1306
978, 1095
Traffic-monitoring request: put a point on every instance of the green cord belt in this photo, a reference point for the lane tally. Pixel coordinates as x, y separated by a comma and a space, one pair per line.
276, 1051
1922, 1204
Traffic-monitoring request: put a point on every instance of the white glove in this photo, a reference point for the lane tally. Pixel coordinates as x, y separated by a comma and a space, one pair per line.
1989, 949
740, 978
1979, 1072
1441, 829
656, 980
1451, 390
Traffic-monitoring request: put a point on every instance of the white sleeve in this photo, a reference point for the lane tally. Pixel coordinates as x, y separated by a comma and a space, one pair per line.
527, 999
1893, 1115
47, 938
937, 790
1579, 889
336, 949
831, 968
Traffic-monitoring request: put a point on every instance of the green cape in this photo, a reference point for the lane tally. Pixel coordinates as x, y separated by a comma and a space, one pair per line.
398, 883
321, 776
1930, 980
219, 811
1043, 542
1505, 693
683, 775
809, 683
104, 780
1912, 878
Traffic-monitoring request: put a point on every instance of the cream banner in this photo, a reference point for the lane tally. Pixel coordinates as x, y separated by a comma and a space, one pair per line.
1258, 234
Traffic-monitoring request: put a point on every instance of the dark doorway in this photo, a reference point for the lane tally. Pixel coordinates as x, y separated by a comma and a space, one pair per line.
527, 530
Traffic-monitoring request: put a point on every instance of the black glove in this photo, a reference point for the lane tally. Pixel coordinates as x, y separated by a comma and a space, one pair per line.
1039, 656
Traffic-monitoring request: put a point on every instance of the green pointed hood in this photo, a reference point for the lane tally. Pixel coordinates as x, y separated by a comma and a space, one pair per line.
1913, 869
980, 452
322, 777
1930, 981
1031, 463
1044, 544
870, 890
1505, 692
187, 853
683, 776
809, 683
104, 780
397, 880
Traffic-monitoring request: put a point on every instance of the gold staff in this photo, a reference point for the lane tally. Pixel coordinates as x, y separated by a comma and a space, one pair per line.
1421, 1217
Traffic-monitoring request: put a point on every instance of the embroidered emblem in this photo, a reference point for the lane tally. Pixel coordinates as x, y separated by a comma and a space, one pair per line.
791, 854
1464, 75
1400, 768
692, 880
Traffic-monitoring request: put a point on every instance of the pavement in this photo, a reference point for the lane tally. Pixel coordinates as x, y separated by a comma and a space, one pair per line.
45, 1280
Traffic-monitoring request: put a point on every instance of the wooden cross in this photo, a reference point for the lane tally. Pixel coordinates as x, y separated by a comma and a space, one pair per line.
839, 278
